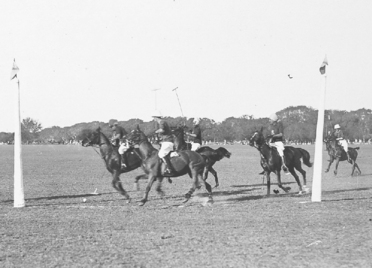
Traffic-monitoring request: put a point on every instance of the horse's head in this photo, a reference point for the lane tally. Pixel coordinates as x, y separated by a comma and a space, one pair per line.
257, 139
90, 137
136, 136
224, 152
179, 131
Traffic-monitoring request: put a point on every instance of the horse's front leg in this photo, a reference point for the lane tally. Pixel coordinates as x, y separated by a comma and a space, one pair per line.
116, 183
136, 184
151, 179
159, 190
285, 189
337, 162
329, 165
214, 173
268, 183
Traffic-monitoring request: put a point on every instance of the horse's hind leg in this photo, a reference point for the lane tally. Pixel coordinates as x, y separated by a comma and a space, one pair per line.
294, 174
355, 165
303, 173
116, 183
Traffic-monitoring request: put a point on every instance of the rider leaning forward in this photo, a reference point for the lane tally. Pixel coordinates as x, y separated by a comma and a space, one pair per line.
341, 140
276, 137
118, 138
167, 145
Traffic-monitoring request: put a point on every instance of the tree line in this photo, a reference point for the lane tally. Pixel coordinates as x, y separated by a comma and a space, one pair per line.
299, 126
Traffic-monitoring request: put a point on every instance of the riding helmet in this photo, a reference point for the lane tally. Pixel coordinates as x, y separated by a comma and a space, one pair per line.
274, 117
337, 126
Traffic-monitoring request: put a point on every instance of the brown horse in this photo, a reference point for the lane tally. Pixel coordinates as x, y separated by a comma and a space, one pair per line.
112, 158
187, 162
336, 152
272, 162
210, 155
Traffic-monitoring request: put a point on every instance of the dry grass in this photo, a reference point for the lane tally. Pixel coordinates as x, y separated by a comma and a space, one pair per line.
241, 229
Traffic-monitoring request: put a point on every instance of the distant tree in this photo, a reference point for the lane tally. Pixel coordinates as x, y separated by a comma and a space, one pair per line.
30, 129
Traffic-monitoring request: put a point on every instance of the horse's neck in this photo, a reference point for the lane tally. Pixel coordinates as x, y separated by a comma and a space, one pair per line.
105, 146
179, 142
265, 150
146, 149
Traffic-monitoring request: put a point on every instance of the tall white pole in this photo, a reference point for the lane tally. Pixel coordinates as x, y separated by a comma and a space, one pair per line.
19, 198
316, 194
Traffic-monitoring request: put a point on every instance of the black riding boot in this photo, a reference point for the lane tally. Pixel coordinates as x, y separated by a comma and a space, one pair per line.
123, 161
168, 165
284, 167
348, 157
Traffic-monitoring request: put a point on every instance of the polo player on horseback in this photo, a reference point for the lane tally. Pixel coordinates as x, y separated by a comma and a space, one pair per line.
167, 141
196, 134
118, 136
341, 140
276, 138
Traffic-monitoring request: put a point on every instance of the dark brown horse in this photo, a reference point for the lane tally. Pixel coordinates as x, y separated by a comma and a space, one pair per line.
187, 162
336, 152
272, 162
210, 155
179, 139
112, 158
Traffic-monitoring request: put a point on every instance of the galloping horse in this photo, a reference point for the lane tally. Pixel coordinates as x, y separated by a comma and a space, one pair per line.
187, 162
112, 158
336, 152
272, 162
210, 155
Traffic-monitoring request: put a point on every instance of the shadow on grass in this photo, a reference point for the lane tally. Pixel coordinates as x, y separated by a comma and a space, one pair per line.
58, 197
260, 184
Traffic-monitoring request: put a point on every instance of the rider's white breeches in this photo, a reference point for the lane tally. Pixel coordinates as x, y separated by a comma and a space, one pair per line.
195, 146
279, 146
344, 144
165, 148
123, 147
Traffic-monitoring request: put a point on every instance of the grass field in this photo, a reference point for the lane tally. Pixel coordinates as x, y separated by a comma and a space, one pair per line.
243, 228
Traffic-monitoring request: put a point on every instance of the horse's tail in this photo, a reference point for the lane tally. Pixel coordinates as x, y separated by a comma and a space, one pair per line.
305, 157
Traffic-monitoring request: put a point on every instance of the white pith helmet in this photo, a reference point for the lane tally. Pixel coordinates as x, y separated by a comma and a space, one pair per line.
197, 120
273, 117
337, 126
157, 114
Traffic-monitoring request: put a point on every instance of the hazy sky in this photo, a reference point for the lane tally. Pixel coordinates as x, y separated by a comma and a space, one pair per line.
83, 61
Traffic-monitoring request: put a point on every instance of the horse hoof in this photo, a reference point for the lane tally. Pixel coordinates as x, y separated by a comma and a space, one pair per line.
142, 202
185, 201
276, 191
129, 200
216, 186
